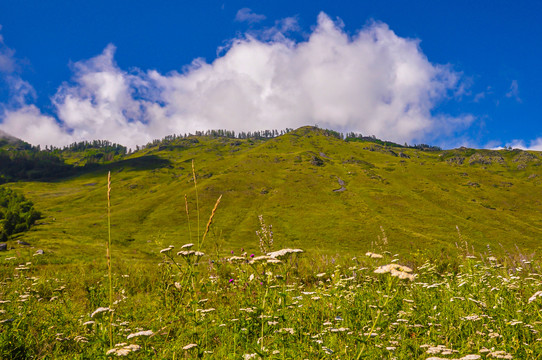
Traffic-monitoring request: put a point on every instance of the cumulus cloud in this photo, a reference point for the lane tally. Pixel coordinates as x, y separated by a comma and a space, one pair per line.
30, 124
247, 15
374, 82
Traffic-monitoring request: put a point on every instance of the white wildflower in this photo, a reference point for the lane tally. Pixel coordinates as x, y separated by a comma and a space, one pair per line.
140, 333
260, 258
123, 349
189, 346
237, 259
499, 355
283, 253
168, 249
535, 296
99, 311
187, 253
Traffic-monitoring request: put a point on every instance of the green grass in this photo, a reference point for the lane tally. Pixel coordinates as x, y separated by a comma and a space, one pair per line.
471, 247
419, 200
322, 307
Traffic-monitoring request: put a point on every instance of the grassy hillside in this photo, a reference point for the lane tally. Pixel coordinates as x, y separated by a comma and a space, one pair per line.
319, 192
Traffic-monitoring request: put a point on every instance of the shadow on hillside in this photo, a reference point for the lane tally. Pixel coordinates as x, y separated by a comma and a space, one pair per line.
147, 162
59, 172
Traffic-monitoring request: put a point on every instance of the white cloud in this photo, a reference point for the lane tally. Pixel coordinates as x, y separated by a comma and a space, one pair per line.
514, 91
30, 124
7, 57
374, 82
247, 15
535, 145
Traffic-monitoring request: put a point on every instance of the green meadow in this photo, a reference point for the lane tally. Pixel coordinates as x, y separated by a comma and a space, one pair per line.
389, 252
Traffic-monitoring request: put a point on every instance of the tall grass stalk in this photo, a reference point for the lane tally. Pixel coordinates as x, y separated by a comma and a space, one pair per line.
197, 198
109, 257
210, 220
188, 217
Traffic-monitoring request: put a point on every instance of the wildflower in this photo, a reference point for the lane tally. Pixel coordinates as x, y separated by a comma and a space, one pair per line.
189, 346
283, 253
400, 271
100, 310
81, 339
535, 296
187, 246
439, 349
373, 255
402, 275
168, 249
500, 355
140, 333
250, 356
260, 258
236, 259
204, 311
186, 253
230, 281
123, 349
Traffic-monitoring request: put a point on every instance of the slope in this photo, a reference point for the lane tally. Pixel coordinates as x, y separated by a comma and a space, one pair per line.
319, 192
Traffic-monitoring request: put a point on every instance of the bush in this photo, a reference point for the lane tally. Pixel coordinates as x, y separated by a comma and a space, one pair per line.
17, 214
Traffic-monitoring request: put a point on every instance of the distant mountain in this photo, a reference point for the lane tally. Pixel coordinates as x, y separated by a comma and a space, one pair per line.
320, 192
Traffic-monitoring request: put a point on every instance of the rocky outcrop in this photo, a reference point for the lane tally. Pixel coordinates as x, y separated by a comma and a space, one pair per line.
489, 158
458, 160
524, 158
341, 183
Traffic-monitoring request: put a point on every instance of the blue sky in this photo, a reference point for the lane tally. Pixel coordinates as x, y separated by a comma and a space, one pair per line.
448, 73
